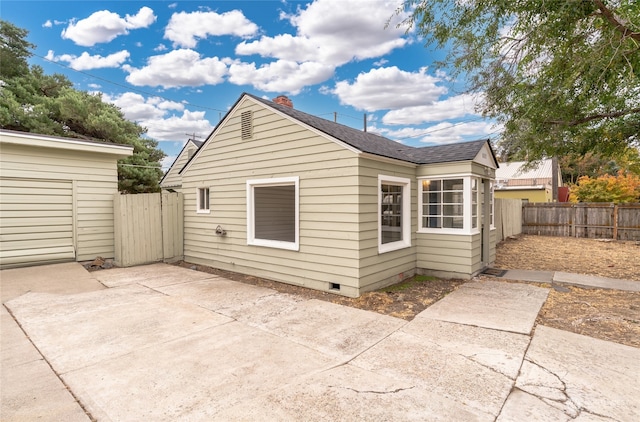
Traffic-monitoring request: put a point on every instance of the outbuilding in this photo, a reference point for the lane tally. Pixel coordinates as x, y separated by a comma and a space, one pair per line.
278, 193
56, 198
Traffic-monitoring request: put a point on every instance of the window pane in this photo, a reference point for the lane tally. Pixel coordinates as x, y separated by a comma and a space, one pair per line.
452, 222
452, 197
391, 213
452, 184
453, 210
275, 212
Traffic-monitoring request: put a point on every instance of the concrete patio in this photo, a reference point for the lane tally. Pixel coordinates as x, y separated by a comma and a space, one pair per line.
160, 342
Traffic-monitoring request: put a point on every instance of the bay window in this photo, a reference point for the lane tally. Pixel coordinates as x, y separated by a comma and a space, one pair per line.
449, 205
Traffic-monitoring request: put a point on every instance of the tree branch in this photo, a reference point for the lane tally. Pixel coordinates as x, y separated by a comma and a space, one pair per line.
592, 117
613, 20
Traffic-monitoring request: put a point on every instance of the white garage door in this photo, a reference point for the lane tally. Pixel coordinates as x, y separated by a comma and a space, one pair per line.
36, 221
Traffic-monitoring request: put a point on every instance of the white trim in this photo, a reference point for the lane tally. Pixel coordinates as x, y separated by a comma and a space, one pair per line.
467, 204
45, 141
277, 181
199, 208
406, 213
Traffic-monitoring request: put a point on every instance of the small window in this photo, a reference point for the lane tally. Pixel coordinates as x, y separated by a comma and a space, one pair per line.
246, 125
394, 216
202, 206
273, 213
442, 203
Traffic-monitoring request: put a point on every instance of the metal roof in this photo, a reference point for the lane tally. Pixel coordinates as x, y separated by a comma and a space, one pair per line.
518, 170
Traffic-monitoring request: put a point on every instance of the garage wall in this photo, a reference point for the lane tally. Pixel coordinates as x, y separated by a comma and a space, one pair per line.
31, 172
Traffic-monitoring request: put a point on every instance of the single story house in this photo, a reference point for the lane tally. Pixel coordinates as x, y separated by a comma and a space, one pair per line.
56, 198
172, 181
540, 183
278, 193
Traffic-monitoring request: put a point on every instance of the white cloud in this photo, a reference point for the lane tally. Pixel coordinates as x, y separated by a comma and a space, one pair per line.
448, 133
104, 26
449, 108
157, 115
167, 161
185, 29
161, 47
282, 76
47, 24
334, 35
178, 68
87, 62
389, 88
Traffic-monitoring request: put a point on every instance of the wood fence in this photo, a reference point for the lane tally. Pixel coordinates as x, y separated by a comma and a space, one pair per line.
148, 228
592, 220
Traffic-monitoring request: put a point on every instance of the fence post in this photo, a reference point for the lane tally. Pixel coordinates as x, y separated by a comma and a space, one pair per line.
615, 222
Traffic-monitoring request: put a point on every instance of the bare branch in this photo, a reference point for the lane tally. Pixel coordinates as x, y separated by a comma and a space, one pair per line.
615, 21
594, 117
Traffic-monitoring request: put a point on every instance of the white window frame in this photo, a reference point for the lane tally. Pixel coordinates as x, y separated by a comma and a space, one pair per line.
201, 208
279, 181
467, 206
406, 213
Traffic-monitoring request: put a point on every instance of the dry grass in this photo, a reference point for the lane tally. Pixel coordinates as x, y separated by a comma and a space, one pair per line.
613, 259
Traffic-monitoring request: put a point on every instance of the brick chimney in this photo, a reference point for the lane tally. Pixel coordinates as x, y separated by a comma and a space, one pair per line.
283, 100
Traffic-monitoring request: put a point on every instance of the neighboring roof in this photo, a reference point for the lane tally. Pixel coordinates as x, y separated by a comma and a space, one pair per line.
197, 144
48, 141
371, 143
517, 170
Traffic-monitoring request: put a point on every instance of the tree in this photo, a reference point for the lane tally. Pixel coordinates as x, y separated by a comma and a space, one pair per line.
31, 101
562, 76
607, 188
574, 166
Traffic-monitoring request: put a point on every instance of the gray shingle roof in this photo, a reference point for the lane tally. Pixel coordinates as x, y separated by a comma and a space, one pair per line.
378, 145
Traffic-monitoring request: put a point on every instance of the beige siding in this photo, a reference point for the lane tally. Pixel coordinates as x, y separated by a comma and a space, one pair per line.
448, 255
329, 209
93, 180
381, 269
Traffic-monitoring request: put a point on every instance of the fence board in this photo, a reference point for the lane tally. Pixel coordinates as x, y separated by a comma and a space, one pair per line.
148, 228
592, 220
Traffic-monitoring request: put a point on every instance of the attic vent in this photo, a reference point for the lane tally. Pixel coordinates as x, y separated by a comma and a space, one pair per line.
246, 130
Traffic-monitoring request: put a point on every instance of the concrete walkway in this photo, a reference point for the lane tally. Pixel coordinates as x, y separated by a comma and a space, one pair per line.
165, 343
580, 280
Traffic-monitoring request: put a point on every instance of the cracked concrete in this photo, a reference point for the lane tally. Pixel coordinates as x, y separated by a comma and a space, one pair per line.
168, 343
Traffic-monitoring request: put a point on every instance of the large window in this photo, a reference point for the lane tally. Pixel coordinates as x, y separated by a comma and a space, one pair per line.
394, 215
202, 200
273, 213
450, 204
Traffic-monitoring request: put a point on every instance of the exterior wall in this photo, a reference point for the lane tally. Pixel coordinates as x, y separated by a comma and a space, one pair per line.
338, 209
93, 179
173, 179
532, 195
378, 270
453, 255
329, 202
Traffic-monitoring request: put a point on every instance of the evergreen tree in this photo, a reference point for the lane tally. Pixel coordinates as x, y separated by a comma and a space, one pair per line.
31, 101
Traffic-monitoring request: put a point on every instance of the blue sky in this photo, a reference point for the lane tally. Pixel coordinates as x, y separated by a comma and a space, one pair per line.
176, 67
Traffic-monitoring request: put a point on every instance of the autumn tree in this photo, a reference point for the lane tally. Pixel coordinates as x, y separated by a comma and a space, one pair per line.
562, 76
607, 188
31, 101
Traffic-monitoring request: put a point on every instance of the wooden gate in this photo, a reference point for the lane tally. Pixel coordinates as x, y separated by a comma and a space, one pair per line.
148, 228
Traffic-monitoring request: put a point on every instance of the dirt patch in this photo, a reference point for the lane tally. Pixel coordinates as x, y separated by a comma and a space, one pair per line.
605, 314
404, 300
604, 258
